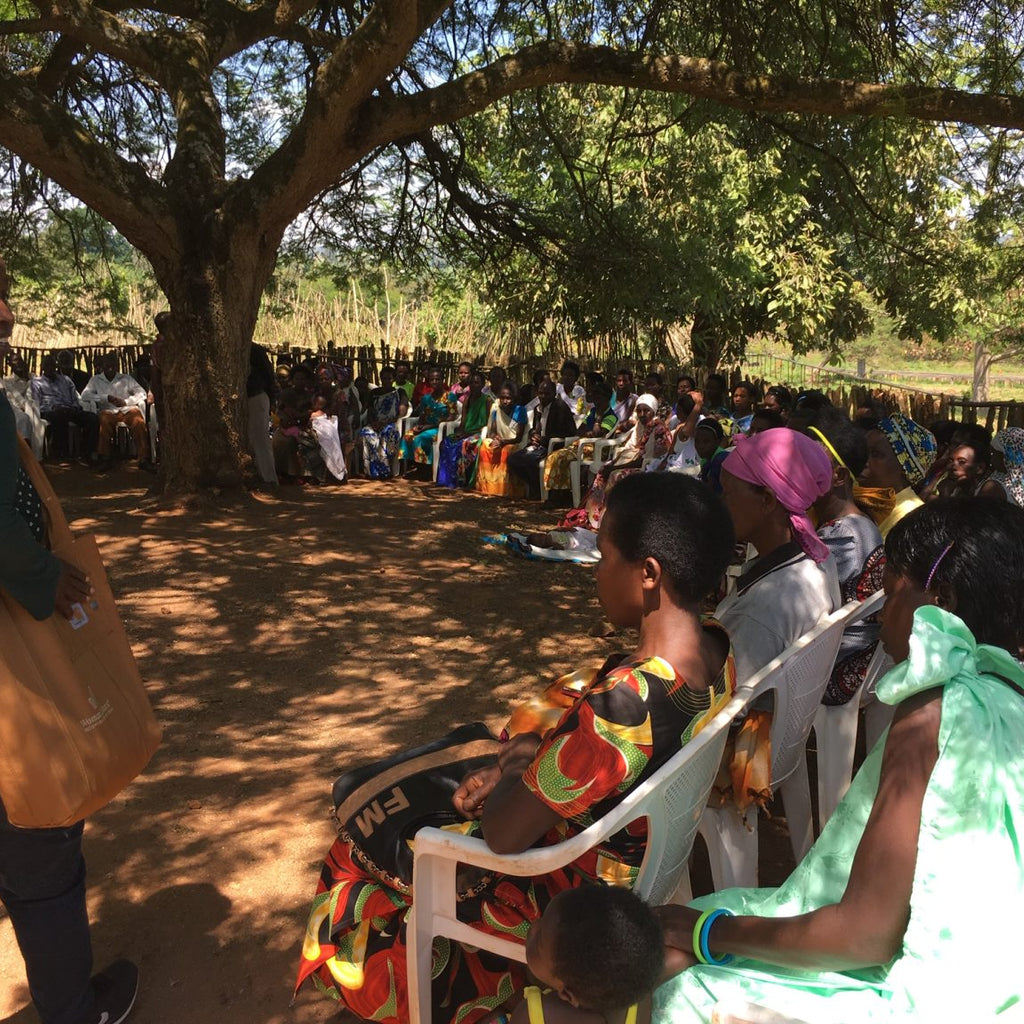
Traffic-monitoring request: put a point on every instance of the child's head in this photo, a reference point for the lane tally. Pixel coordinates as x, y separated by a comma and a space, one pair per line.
673, 520
600, 948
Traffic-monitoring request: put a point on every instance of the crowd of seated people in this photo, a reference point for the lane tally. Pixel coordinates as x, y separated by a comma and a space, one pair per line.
818, 500
65, 411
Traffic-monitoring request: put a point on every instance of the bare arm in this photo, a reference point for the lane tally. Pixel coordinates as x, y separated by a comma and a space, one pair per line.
865, 928
513, 818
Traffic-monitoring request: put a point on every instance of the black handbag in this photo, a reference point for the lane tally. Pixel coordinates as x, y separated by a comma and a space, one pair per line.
380, 806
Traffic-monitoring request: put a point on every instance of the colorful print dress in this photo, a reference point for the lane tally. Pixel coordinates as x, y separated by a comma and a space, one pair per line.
420, 447
610, 733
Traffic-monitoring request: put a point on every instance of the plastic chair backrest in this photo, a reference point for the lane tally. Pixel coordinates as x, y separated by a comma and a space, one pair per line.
672, 800
798, 684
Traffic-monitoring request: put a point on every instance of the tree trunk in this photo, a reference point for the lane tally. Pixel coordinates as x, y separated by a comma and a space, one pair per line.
705, 343
214, 293
982, 366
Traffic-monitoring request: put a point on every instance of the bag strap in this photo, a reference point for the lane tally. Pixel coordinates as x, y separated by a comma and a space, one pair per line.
57, 529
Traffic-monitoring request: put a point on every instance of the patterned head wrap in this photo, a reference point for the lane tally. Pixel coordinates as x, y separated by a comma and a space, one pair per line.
795, 469
1011, 443
913, 446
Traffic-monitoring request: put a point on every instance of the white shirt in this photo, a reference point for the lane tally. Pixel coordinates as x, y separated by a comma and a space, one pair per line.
99, 390
777, 608
574, 399
17, 391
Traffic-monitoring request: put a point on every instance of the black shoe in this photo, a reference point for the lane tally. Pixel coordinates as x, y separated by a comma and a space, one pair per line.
115, 989
147, 466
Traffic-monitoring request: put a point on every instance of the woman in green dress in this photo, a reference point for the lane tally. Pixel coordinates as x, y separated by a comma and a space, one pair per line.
906, 906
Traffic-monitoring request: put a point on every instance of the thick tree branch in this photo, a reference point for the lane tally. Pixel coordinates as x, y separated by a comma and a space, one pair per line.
564, 63
52, 140
307, 161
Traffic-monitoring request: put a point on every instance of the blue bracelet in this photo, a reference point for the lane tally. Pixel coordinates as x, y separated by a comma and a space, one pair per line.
705, 952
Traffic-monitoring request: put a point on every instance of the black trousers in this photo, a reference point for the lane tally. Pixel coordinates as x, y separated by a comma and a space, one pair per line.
42, 886
525, 464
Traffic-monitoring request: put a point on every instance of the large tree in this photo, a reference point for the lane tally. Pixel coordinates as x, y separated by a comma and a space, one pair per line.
204, 129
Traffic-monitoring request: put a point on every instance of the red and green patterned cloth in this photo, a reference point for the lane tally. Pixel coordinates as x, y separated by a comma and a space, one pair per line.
606, 736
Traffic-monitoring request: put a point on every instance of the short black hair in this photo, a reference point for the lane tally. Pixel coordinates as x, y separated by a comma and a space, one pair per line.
984, 566
849, 441
710, 423
771, 416
539, 375
677, 520
782, 394
609, 949
624, 372
656, 376
570, 365
717, 376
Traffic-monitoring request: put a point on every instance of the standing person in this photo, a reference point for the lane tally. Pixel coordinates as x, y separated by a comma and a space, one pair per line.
260, 389
119, 398
42, 872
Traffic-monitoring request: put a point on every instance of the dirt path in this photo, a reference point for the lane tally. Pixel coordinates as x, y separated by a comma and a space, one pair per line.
282, 642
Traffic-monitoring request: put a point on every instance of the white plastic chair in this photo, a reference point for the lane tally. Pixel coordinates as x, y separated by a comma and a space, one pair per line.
797, 677
671, 800
835, 732
554, 443
603, 448
402, 424
445, 427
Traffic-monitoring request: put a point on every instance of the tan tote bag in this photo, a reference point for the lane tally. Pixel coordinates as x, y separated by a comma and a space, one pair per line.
76, 725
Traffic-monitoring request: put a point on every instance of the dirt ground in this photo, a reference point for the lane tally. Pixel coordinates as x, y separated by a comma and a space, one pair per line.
282, 641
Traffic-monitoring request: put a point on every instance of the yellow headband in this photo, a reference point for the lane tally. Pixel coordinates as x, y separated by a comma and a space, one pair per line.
825, 441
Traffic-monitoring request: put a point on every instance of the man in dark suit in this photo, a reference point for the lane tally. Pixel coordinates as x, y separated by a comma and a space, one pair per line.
549, 419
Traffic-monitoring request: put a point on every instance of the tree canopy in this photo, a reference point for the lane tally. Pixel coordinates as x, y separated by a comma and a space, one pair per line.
209, 133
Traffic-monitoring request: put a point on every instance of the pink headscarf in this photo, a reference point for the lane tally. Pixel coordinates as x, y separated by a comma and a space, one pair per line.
795, 469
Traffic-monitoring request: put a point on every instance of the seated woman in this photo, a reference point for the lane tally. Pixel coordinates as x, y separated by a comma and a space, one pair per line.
1008, 462
970, 465
769, 482
457, 458
505, 427
600, 421
900, 453
881, 920
665, 543
379, 437
855, 543
436, 405
648, 438
712, 448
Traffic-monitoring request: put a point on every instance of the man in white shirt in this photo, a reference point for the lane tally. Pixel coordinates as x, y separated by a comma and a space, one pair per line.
26, 414
119, 398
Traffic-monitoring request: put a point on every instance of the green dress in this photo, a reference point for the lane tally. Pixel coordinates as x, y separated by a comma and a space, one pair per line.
961, 959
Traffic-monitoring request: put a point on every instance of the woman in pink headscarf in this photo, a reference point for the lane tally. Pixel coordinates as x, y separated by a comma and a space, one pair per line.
769, 482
